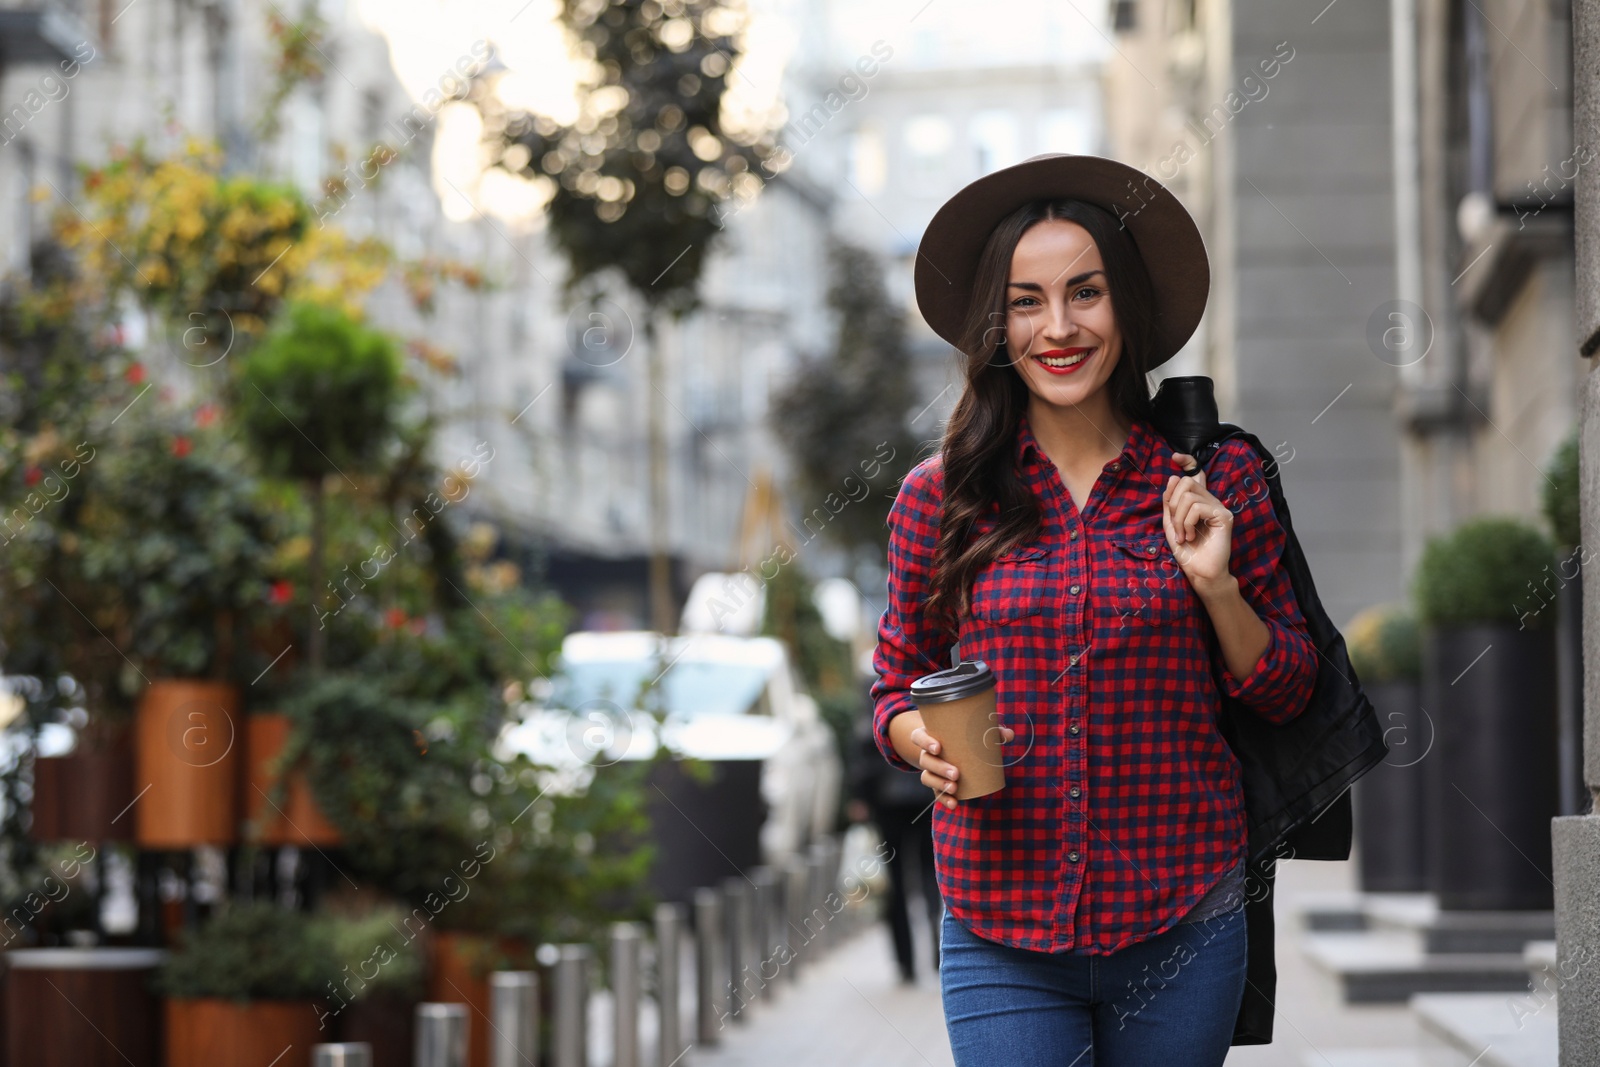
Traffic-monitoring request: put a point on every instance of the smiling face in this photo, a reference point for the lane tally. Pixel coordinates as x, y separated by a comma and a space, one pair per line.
1060, 331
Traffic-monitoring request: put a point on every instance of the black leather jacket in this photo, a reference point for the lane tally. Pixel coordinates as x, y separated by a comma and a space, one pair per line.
1296, 775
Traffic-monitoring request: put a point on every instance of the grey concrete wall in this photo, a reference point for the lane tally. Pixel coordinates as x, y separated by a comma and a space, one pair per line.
1313, 191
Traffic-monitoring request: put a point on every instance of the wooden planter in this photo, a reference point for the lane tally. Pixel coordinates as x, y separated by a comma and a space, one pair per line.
187, 770
387, 1023
458, 973
297, 820
227, 1033
79, 797
81, 1007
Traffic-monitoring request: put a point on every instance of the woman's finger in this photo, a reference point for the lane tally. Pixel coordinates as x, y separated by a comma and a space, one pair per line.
924, 740
935, 765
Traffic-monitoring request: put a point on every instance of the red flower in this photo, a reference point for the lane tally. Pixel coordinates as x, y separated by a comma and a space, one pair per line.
181, 446
394, 618
134, 373
282, 592
31, 476
205, 415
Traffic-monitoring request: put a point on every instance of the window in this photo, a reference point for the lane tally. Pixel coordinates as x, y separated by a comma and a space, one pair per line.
994, 136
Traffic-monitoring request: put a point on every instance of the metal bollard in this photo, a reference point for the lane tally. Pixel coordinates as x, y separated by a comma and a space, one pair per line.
570, 1042
796, 899
441, 1035
514, 1014
342, 1054
821, 918
768, 907
710, 960
736, 921
669, 989
627, 939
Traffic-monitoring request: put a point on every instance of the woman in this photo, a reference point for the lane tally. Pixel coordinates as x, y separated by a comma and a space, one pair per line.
1094, 905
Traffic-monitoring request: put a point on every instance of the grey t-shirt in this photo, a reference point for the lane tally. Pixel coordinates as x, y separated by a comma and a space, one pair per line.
1223, 897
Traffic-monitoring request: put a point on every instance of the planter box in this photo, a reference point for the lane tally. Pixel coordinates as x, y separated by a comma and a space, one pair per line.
387, 1023
80, 796
458, 973
1391, 800
226, 1033
297, 820
187, 772
1492, 774
82, 1007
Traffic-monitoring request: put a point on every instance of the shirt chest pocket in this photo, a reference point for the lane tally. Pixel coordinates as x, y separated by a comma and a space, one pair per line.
1017, 585
1144, 584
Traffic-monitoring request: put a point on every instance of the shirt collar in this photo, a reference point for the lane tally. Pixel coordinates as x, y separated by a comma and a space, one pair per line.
1137, 453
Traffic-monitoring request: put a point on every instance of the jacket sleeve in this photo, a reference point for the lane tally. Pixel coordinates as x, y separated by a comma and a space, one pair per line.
1280, 685
909, 644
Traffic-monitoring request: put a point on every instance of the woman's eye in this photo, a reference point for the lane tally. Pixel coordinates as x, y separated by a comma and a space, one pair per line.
1025, 302
1091, 290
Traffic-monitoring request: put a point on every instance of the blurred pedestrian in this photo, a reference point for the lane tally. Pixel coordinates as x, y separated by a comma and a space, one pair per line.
897, 803
1094, 904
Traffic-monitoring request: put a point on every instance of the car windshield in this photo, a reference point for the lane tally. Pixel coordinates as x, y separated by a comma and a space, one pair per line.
689, 688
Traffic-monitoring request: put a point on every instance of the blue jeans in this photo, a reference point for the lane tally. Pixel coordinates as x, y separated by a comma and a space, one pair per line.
1170, 1000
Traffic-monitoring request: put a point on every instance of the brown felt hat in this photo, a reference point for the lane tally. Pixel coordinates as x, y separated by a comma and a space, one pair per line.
1165, 233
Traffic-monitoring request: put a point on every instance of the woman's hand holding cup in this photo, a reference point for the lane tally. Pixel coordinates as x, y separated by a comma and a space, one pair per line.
939, 774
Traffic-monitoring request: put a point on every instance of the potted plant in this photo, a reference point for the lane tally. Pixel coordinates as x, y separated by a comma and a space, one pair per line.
245, 987
1488, 670
380, 980
173, 542
338, 385
1390, 802
1563, 586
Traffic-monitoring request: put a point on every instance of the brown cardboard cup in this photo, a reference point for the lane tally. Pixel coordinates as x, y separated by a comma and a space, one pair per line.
958, 710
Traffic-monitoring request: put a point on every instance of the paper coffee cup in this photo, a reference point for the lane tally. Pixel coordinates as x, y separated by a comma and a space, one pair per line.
958, 710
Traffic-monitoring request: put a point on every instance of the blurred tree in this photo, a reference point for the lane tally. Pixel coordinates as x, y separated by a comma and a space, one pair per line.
638, 177
319, 396
844, 415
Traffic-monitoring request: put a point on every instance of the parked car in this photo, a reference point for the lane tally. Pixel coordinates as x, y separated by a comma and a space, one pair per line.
734, 702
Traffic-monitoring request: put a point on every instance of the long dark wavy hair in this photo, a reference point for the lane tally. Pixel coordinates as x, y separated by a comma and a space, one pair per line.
980, 476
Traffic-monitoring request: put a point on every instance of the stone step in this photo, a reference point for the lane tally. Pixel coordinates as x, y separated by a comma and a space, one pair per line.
1496, 1029
1378, 966
1384, 1057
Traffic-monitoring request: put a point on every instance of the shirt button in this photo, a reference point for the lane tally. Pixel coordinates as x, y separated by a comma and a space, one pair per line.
1116, 466
1073, 729
1074, 589
1151, 550
1072, 660
1073, 791
1073, 535
1073, 856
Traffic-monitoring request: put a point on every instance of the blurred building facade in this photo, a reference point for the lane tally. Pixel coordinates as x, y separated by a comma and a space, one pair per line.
557, 389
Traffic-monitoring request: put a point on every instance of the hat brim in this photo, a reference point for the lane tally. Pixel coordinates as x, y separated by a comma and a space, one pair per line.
1163, 230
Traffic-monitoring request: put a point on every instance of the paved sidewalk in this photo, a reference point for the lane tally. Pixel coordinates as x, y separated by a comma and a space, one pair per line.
849, 1010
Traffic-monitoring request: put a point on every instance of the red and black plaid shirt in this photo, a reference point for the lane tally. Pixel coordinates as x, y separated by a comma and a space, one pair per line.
1122, 804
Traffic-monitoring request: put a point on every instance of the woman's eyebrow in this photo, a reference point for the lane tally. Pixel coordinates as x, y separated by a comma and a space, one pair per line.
1074, 280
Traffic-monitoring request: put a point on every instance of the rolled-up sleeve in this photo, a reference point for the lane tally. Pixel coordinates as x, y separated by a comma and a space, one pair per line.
1280, 685
909, 643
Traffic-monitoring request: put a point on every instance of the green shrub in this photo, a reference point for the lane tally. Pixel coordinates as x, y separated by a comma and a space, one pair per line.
319, 395
255, 951
1385, 645
1560, 497
374, 955
1483, 572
